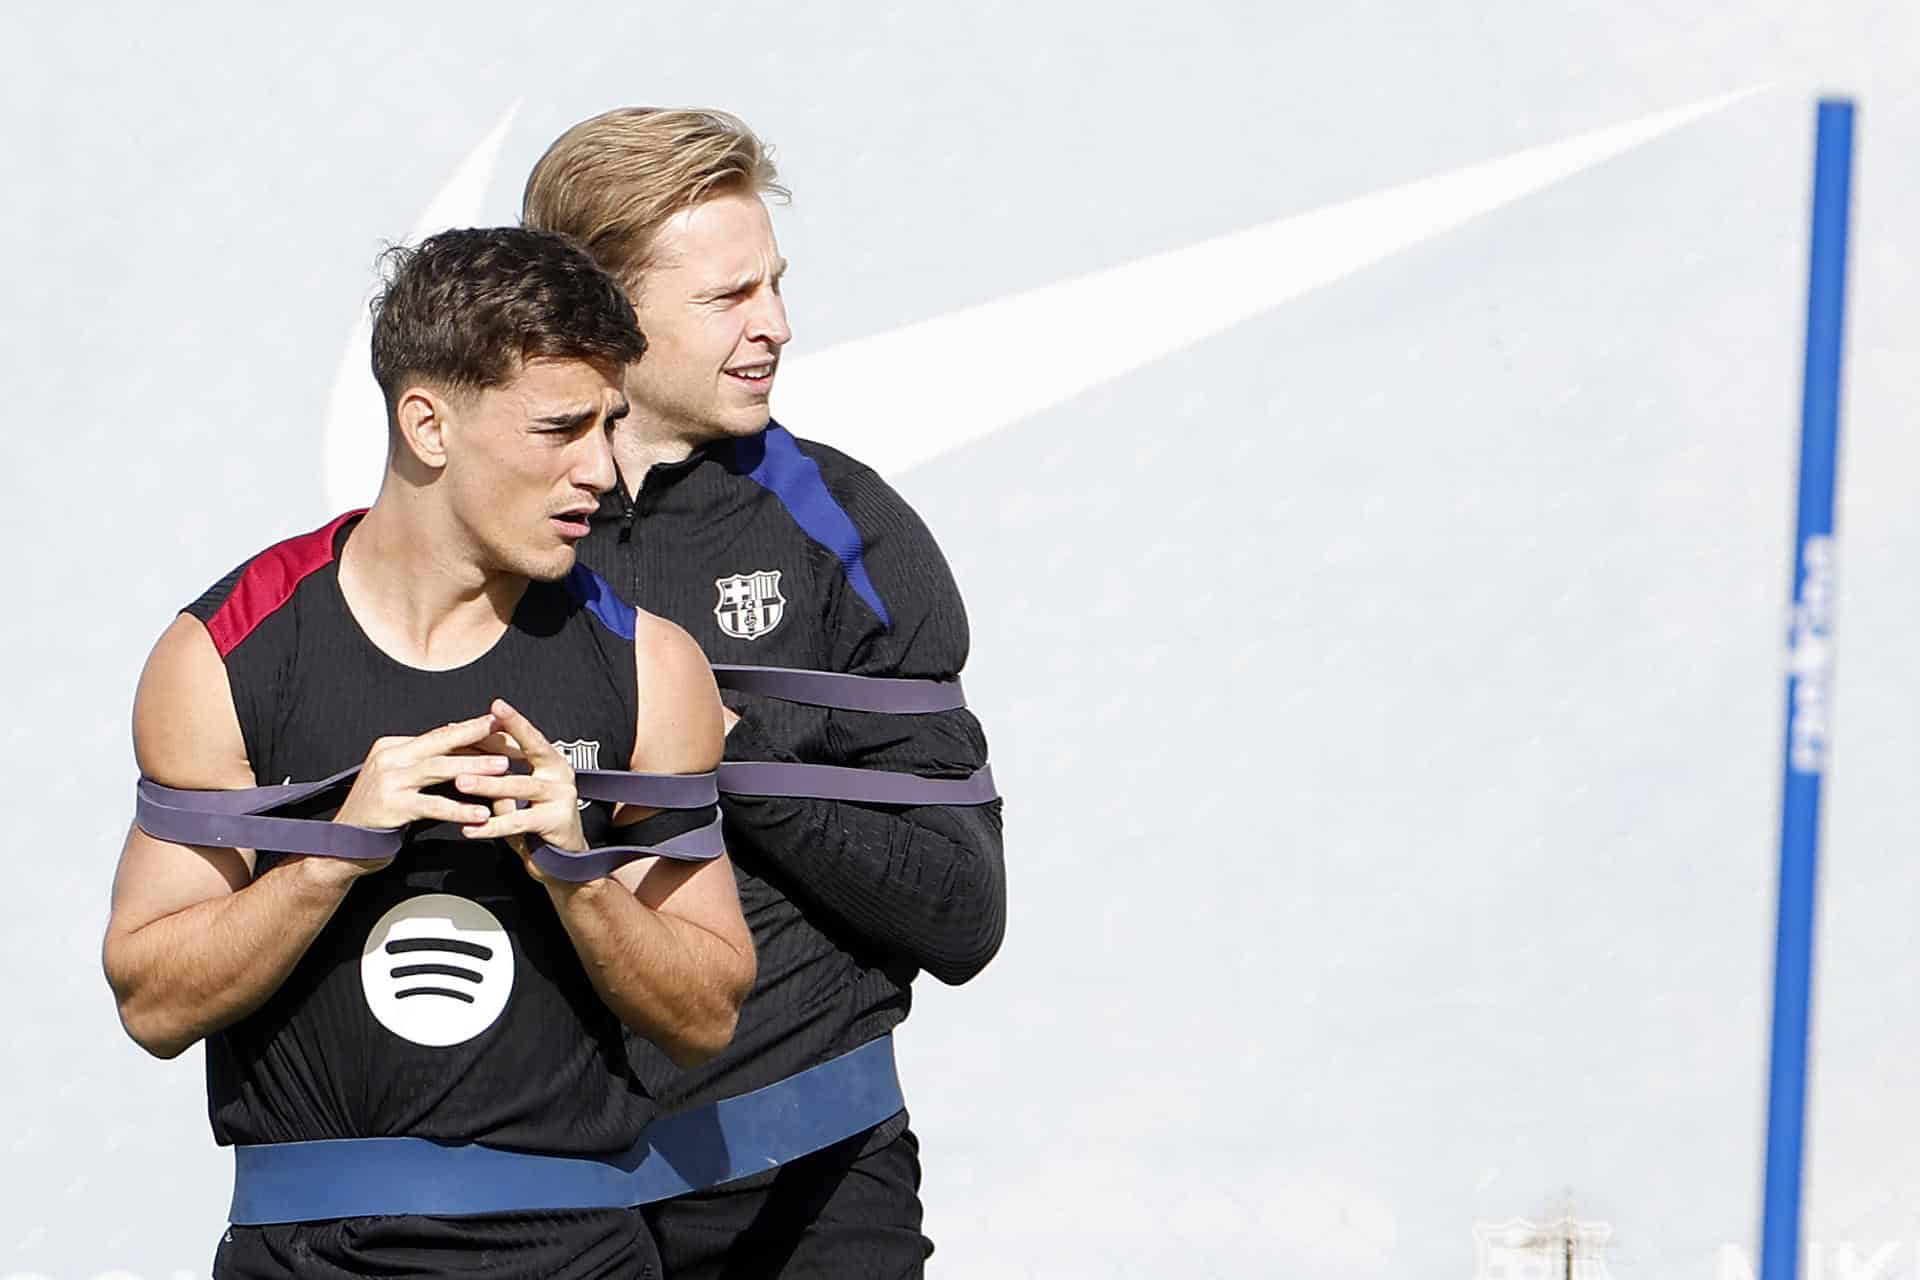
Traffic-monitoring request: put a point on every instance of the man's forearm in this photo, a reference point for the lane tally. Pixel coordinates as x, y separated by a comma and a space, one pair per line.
670, 980
187, 975
926, 884
929, 885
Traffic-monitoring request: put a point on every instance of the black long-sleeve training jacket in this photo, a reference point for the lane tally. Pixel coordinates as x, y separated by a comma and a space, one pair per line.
780, 552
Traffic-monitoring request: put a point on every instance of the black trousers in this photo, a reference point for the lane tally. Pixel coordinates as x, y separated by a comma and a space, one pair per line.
850, 1210
596, 1244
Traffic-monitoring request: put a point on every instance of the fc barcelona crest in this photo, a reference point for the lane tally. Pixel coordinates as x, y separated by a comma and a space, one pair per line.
582, 754
750, 603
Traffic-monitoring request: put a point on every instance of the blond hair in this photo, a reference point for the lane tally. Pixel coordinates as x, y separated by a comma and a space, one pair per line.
612, 181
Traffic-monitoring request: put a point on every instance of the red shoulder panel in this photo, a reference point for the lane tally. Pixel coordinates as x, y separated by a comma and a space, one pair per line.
269, 582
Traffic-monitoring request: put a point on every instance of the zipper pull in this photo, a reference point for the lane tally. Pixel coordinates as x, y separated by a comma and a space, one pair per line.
627, 510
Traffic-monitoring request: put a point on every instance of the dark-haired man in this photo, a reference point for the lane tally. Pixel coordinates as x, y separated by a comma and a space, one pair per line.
459, 994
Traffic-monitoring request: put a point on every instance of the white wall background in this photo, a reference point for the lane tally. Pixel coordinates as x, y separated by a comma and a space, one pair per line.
1386, 687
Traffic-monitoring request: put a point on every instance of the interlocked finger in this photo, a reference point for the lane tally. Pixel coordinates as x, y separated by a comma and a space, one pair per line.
539, 753
447, 738
446, 809
513, 786
516, 822
446, 768
499, 744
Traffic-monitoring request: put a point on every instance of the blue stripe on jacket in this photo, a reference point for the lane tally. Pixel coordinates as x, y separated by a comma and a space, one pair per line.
773, 461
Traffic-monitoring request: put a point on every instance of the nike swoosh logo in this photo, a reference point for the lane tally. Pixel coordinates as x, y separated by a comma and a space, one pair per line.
1032, 351
1021, 355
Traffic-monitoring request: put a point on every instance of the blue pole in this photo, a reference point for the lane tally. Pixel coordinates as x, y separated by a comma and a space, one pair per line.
1809, 693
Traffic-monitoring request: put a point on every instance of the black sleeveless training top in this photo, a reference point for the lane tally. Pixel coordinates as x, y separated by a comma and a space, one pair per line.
443, 1000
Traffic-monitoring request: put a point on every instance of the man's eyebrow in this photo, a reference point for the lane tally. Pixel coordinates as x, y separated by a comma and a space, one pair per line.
572, 421
744, 281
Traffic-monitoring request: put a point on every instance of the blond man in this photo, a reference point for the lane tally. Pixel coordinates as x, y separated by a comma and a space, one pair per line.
781, 552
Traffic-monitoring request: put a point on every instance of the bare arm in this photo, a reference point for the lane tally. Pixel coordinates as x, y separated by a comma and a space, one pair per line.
663, 941
194, 940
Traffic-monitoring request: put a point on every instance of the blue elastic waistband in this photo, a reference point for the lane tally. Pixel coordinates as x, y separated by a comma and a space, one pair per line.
704, 1147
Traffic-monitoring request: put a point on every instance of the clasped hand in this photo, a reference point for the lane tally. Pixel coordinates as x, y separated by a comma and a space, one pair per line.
478, 756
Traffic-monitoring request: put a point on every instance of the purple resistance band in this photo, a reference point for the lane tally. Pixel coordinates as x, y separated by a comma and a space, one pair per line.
239, 819
841, 692
244, 819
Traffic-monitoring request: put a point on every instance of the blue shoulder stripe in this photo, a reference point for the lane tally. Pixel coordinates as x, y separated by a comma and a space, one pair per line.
590, 589
773, 461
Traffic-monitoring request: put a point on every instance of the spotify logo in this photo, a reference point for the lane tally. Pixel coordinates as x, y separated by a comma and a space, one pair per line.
437, 969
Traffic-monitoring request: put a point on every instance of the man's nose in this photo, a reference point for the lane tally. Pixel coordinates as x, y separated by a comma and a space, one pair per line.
769, 321
595, 469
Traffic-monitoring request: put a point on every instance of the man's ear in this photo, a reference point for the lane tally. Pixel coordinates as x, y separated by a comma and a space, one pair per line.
420, 419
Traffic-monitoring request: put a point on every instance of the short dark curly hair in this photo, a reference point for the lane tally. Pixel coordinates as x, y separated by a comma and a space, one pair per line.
466, 308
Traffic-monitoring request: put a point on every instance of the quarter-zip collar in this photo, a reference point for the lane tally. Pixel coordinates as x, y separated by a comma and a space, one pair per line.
620, 510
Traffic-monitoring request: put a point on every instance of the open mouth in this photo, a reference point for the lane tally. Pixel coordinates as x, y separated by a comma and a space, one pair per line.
757, 376
572, 524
